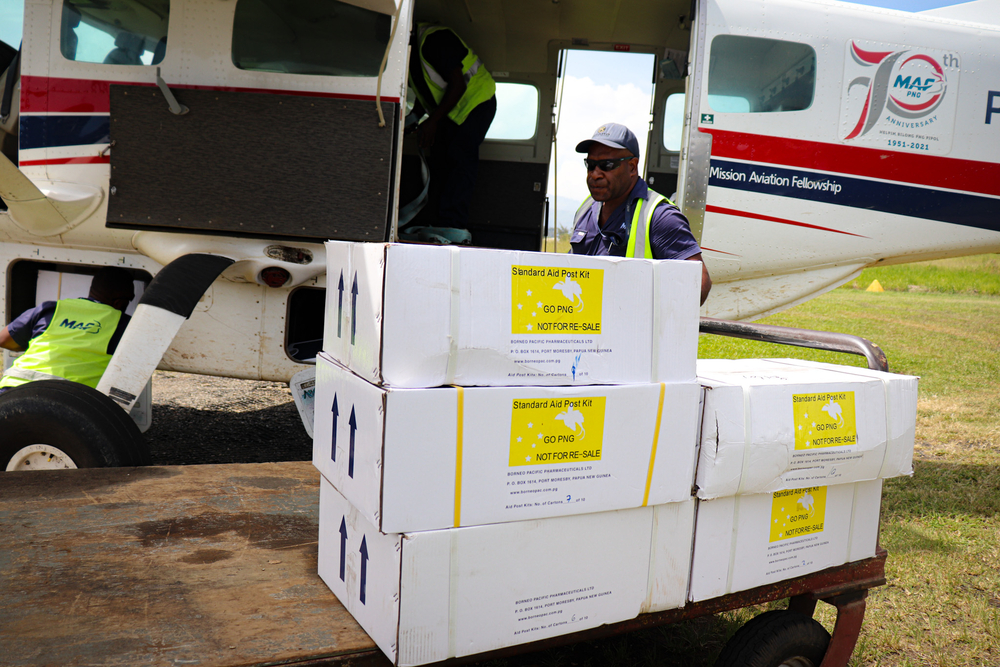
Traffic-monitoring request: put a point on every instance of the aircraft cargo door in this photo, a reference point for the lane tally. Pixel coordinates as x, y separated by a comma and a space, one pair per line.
274, 130
666, 133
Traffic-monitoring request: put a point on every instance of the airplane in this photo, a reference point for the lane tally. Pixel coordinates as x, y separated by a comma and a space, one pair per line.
212, 147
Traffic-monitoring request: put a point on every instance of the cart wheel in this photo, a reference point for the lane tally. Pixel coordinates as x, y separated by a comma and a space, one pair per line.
51, 424
778, 638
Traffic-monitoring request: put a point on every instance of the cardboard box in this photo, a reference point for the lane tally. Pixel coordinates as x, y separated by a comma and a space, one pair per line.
429, 596
786, 424
406, 315
424, 459
746, 541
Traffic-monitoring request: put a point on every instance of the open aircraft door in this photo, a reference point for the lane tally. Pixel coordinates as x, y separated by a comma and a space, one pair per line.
823, 138
665, 133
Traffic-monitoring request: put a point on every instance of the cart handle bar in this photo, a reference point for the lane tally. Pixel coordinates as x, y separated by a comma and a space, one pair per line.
817, 340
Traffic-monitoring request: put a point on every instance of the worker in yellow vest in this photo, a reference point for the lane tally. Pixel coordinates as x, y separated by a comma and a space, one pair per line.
458, 94
71, 339
623, 217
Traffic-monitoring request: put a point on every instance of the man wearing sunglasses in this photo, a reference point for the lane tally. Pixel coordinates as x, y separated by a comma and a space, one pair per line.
623, 217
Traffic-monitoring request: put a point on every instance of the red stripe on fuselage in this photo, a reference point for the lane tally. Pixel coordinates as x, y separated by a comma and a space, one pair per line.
721, 252
40, 94
769, 218
929, 170
85, 159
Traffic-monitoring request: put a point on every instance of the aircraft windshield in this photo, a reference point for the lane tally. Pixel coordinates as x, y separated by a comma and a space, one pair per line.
11, 20
118, 33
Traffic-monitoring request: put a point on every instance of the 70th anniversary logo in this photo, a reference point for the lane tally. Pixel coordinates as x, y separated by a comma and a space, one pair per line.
900, 98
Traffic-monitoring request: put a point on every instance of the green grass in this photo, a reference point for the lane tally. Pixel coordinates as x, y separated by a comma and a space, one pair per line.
978, 274
942, 602
941, 605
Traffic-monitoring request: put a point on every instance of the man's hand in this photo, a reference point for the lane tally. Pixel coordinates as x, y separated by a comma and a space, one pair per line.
452, 94
706, 280
425, 133
7, 343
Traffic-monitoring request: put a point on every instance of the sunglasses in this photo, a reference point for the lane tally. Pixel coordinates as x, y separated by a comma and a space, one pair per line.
604, 165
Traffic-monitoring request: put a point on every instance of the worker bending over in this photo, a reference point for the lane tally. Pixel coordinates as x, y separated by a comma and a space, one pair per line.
623, 217
457, 92
71, 339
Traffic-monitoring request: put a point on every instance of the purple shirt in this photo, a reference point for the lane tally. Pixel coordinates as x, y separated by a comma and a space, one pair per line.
669, 232
32, 323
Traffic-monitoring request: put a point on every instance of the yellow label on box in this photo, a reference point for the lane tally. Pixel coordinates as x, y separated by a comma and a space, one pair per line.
824, 420
797, 512
556, 430
554, 300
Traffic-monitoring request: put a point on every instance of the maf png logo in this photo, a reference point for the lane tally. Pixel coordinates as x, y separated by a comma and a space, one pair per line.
903, 98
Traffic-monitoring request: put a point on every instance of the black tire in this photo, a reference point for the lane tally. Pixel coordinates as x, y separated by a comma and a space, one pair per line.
81, 422
776, 638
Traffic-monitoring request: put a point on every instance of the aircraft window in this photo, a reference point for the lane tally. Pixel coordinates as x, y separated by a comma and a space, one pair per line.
11, 21
320, 37
758, 75
729, 104
517, 112
128, 32
673, 122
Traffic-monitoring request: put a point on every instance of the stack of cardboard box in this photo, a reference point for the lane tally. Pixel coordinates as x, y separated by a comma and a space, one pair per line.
507, 443
790, 470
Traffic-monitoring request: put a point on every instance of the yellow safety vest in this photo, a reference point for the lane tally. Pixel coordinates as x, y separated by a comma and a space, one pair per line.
479, 84
73, 347
640, 222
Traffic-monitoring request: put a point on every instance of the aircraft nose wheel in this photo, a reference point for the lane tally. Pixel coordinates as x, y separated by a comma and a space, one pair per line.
779, 638
57, 424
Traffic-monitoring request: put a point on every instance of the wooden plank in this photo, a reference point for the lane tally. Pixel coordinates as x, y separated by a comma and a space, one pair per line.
186, 565
215, 566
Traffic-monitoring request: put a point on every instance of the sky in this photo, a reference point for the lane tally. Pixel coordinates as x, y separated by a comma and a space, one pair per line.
11, 18
595, 93
907, 5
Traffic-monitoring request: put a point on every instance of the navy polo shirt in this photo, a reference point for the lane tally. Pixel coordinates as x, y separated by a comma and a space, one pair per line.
669, 232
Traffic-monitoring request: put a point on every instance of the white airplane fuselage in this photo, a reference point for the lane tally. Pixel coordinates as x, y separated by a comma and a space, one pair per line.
819, 138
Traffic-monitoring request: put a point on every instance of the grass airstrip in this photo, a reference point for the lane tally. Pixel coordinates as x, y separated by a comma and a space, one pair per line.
941, 606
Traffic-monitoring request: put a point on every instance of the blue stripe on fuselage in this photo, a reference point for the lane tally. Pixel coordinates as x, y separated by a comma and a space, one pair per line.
913, 201
52, 131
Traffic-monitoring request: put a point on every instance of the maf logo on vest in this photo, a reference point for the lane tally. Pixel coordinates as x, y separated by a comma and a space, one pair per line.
86, 327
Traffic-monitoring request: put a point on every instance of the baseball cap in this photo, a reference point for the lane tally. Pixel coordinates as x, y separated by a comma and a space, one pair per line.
614, 135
